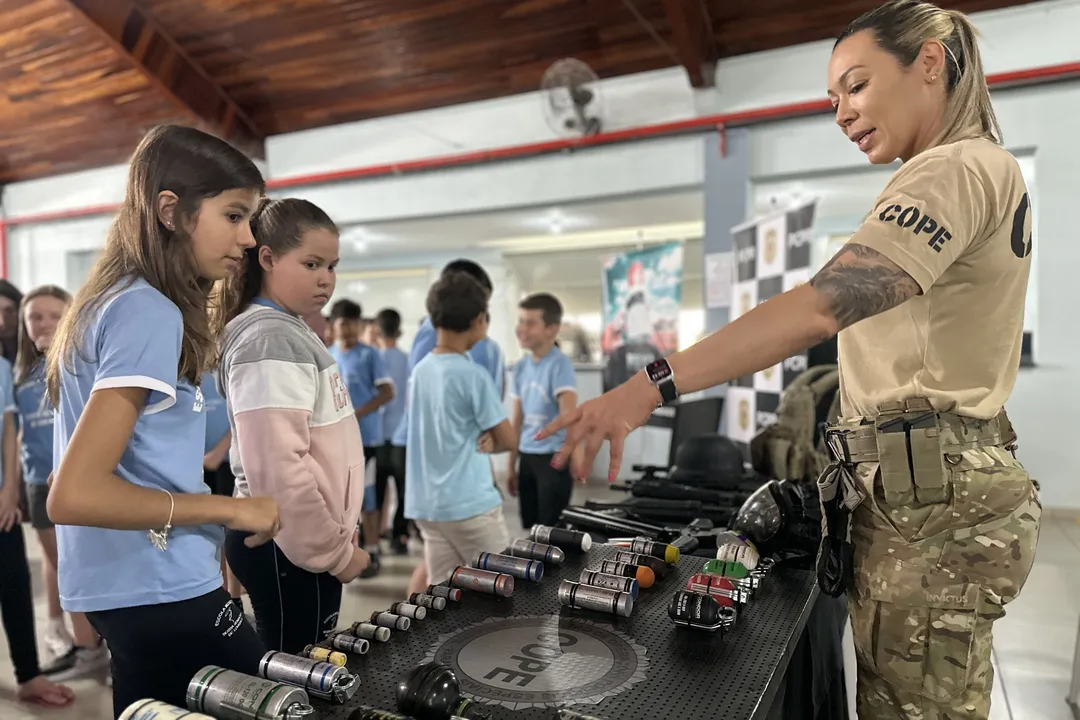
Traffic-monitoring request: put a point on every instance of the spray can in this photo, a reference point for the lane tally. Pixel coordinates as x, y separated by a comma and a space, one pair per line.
445, 591
665, 552
324, 655
537, 551
483, 581
404, 609
571, 539
229, 695
350, 643
611, 582
390, 620
428, 601
658, 566
587, 597
370, 632
520, 568
157, 710
329, 682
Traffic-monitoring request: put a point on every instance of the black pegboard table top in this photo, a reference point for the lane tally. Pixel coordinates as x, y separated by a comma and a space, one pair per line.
523, 656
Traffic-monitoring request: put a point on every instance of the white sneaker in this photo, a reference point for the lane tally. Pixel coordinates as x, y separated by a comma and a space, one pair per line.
58, 641
80, 662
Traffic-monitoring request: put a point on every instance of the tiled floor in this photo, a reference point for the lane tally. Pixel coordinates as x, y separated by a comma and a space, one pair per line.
1034, 644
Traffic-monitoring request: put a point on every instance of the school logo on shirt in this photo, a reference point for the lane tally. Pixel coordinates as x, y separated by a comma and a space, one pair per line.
911, 218
200, 402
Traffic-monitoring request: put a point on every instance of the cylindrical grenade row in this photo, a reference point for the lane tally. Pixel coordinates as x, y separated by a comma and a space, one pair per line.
520, 568
587, 597
404, 609
157, 710
428, 601
445, 591
537, 551
370, 632
566, 539
350, 643
663, 551
611, 582
390, 620
484, 581
324, 655
226, 693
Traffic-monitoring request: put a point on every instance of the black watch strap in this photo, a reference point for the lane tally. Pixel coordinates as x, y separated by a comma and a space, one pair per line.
661, 375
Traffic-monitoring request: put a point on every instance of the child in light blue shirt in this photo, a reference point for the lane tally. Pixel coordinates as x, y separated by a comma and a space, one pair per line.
455, 416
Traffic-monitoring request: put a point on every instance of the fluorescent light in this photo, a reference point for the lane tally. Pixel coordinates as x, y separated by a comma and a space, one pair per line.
602, 238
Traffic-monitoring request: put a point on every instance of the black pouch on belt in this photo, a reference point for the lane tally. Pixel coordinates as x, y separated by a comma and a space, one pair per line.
840, 495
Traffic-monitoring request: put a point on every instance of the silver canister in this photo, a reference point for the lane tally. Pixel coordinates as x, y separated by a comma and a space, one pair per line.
390, 620
521, 568
157, 710
611, 582
350, 643
428, 601
370, 632
587, 597
229, 695
537, 551
408, 610
324, 680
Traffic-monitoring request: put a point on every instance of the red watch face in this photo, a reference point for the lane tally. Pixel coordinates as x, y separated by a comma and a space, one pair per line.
658, 371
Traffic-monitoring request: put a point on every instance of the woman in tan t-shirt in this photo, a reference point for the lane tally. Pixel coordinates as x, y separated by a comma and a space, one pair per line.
928, 301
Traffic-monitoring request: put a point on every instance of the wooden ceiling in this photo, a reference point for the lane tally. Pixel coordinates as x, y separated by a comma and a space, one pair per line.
82, 80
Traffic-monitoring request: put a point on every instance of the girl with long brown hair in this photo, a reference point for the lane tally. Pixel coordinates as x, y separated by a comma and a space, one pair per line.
138, 533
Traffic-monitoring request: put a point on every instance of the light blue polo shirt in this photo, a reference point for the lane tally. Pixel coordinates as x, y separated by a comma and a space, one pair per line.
396, 364
36, 421
133, 340
452, 400
486, 353
362, 369
538, 384
217, 412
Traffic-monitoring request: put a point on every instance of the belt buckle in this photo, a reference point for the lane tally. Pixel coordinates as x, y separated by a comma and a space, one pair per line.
836, 441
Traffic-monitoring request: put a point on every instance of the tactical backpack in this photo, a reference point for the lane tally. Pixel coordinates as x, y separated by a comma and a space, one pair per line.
792, 448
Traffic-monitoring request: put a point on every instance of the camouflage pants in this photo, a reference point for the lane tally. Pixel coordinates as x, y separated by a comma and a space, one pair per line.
931, 579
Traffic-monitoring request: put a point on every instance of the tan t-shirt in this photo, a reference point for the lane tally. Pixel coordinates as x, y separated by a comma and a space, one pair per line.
957, 218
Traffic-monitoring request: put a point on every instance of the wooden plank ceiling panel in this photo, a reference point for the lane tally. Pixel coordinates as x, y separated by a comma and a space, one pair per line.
68, 100
80, 88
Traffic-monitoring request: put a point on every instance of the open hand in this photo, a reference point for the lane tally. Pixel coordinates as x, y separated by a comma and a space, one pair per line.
10, 515
611, 417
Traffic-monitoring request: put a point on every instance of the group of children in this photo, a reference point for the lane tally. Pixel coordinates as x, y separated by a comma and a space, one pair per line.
179, 418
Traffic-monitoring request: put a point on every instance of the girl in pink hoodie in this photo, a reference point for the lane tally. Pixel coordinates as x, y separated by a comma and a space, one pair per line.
295, 436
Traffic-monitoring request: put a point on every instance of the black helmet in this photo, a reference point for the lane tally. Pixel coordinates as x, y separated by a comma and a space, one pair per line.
709, 460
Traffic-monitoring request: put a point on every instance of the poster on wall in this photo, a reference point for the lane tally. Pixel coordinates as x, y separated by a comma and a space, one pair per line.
772, 256
642, 297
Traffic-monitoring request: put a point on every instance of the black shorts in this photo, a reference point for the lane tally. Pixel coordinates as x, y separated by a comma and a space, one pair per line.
220, 481
37, 497
544, 491
157, 649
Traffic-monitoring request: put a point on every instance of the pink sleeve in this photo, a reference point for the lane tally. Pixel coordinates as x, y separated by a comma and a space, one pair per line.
273, 444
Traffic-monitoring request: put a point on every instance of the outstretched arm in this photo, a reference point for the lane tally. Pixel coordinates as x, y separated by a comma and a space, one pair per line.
856, 284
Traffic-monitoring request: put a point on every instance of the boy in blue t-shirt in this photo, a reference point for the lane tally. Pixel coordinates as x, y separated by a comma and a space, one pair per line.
370, 388
455, 415
392, 463
543, 386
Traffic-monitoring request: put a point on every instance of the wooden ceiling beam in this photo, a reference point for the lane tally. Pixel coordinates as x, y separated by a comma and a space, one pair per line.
167, 67
691, 27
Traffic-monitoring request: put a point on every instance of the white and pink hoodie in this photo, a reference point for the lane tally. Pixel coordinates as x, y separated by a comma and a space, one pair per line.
295, 435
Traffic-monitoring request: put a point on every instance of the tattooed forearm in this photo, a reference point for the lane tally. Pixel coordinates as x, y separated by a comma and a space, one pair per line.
860, 283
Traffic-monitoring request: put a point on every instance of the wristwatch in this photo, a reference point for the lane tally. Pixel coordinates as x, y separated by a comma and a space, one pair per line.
661, 375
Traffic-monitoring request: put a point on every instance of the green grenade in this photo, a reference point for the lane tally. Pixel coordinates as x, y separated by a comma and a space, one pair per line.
733, 570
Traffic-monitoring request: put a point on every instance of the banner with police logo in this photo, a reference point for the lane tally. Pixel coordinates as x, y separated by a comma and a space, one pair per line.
642, 296
772, 256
